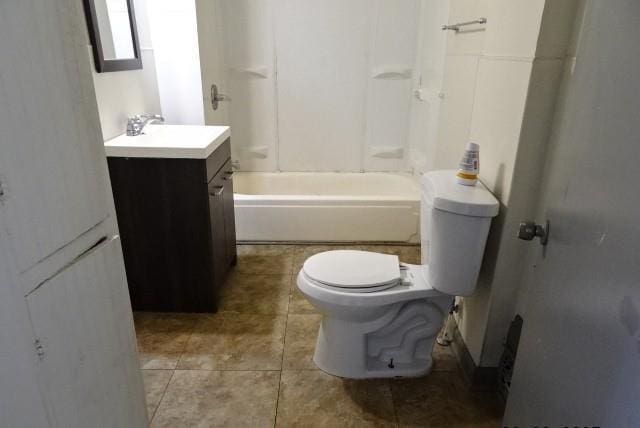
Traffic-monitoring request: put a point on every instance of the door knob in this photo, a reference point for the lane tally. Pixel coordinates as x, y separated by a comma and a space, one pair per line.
529, 229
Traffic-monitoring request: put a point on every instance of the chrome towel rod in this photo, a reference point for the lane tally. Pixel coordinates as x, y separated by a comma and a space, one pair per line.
456, 27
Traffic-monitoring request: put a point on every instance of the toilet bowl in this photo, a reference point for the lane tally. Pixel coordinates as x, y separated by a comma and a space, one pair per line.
381, 316
359, 336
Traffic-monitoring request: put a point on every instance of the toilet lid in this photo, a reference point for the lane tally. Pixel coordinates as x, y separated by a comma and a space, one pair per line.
357, 271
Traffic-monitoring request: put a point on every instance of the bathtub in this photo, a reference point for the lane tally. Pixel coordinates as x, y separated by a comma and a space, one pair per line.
326, 207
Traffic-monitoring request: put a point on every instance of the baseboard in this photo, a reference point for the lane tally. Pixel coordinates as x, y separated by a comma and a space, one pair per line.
478, 378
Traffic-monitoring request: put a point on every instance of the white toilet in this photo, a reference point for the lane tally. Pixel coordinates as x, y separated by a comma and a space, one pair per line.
381, 316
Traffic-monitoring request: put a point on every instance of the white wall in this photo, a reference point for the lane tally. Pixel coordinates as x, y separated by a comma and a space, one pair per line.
322, 55
125, 93
428, 80
559, 114
245, 45
174, 32
321, 86
560, 20
500, 87
394, 49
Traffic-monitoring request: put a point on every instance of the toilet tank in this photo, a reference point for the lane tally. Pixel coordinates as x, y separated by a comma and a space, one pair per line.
455, 222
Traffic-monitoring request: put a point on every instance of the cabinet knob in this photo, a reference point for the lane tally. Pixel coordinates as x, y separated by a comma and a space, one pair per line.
217, 191
228, 175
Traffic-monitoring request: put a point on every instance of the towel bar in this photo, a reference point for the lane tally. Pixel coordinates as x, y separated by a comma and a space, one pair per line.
456, 27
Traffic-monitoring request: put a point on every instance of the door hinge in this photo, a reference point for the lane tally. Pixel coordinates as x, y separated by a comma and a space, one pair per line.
39, 349
2, 192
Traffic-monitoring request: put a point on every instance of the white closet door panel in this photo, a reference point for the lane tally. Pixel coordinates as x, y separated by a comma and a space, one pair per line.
21, 403
322, 51
391, 79
52, 167
88, 371
250, 72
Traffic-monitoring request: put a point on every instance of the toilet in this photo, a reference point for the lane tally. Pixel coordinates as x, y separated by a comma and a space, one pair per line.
381, 316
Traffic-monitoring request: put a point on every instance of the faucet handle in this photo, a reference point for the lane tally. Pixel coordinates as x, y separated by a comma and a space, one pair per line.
151, 116
135, 124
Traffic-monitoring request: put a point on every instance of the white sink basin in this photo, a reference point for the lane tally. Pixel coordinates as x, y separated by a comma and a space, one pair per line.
169, 141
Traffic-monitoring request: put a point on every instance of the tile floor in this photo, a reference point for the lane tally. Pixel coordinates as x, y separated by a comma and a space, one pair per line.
251, 364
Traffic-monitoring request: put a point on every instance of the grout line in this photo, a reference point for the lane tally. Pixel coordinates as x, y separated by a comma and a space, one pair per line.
306, 370
186, 342
223, 370
165, 369
243, 370
227, 370
162, 397
173, 371
393, 403
328, 243
284, 344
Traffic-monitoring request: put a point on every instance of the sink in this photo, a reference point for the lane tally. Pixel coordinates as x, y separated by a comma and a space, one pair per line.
169, 141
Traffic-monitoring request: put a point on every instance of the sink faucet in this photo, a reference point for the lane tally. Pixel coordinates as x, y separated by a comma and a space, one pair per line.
136, 124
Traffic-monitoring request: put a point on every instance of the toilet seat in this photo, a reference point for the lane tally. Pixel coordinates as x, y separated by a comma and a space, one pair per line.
354, 271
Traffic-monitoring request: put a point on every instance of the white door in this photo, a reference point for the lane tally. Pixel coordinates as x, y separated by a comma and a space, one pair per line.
88, 366
52, 163
578, 362
67, 354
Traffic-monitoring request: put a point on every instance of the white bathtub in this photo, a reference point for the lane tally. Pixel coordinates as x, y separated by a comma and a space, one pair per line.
326, 207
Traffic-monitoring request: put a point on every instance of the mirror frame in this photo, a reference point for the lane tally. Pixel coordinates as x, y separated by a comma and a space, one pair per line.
105, 65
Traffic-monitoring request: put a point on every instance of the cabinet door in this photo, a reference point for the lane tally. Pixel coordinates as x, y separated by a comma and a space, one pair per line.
216, 213
229, 214
88, 369
53, 178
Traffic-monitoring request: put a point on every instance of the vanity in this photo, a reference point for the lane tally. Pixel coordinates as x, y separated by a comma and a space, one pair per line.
173, 193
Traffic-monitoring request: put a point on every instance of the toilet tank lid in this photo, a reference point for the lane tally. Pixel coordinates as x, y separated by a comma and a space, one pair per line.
442, 190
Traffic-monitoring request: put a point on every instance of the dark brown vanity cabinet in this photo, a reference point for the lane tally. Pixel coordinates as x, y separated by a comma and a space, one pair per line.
177, 226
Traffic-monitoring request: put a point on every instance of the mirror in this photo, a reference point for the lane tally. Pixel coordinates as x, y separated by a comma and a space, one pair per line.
112, 29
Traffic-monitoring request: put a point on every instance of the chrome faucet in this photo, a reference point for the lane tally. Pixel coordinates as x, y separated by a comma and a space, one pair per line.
137, 123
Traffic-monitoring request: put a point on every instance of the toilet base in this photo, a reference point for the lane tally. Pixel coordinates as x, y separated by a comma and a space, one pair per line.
397, 344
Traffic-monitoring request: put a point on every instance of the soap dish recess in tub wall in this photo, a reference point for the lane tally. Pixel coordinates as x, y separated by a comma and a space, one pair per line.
395, 72
257, 152
386, 152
